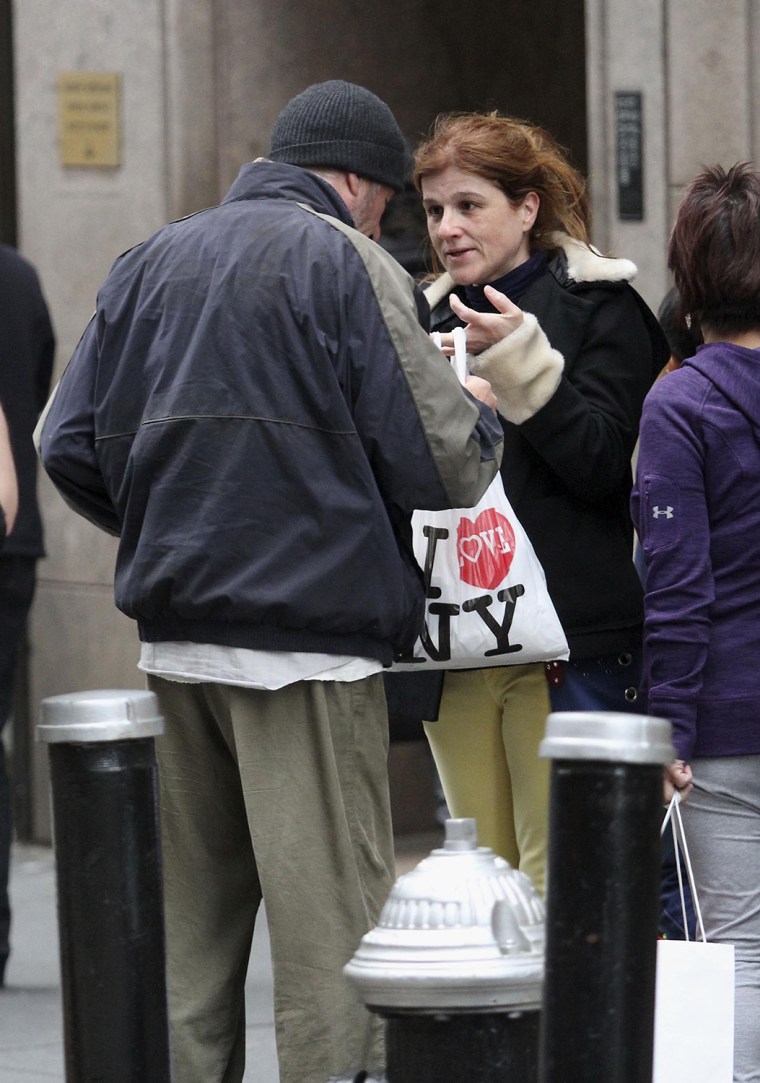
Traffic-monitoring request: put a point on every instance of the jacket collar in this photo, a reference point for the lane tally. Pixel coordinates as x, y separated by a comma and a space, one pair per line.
274, 180
577, 263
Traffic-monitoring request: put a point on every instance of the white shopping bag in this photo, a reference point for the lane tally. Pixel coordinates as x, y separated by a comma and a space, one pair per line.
487, 601
694, 1012
694, 1001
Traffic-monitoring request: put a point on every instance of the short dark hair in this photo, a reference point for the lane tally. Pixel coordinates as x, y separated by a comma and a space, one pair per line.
714, 249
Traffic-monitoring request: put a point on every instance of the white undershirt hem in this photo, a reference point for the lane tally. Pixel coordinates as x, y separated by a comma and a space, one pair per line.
266, 670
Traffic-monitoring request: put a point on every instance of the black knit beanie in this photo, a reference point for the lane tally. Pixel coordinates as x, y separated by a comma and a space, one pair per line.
341, 126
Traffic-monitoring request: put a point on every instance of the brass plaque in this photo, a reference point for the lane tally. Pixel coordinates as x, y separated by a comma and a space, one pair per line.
88, 111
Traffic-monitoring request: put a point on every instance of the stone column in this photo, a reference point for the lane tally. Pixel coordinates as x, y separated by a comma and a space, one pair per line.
625, 53
694, 64
73, 222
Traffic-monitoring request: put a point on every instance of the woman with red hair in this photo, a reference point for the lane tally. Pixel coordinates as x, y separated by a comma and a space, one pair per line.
570, 350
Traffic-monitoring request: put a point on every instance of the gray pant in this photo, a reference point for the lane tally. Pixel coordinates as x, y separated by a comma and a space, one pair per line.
280, 796
722, 823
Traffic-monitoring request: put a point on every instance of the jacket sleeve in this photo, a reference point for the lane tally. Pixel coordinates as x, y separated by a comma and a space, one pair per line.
580, 413
523, 369
669, 509
46, 352
587, 430
430, 443
65, 438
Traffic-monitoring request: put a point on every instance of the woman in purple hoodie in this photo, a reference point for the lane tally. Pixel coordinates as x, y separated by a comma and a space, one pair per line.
697, 507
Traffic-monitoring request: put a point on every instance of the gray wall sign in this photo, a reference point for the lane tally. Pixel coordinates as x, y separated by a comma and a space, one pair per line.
630, 163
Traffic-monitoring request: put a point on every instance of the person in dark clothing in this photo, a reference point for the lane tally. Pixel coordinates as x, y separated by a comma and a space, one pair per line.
570, 350
27, 347
256, 410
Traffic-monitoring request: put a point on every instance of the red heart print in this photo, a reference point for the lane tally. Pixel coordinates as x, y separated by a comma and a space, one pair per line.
485, 549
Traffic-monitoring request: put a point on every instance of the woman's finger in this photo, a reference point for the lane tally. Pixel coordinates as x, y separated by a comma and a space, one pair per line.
501, 302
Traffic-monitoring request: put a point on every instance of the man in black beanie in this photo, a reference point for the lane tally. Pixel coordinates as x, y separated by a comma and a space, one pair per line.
256, 410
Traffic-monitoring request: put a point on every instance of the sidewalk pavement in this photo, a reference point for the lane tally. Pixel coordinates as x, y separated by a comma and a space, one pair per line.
31, 1027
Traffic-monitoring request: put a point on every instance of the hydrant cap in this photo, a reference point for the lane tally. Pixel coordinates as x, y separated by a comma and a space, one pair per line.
461, 932
107, 715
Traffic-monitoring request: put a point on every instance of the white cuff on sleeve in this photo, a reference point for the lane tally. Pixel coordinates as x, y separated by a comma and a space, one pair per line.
523, 369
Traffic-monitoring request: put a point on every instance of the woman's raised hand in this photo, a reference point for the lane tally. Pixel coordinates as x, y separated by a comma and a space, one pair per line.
484, 329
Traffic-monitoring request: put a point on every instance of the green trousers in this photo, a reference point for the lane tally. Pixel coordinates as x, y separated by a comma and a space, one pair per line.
280, 796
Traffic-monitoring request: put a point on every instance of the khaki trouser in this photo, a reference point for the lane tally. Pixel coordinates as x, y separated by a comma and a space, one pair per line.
485, 746
280, 796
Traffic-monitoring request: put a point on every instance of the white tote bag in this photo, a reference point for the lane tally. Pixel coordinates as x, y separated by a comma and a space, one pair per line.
487, 603
694, 998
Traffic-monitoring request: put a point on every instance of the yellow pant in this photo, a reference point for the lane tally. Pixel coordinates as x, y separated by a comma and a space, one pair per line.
485, 746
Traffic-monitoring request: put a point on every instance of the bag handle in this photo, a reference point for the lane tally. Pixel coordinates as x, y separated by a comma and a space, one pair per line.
676, 822
459, 358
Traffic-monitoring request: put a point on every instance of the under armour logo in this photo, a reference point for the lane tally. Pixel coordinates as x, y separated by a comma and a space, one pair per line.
657, 511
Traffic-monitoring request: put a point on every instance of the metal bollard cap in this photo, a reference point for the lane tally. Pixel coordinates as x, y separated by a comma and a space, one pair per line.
607, 735
108, 715
462, 932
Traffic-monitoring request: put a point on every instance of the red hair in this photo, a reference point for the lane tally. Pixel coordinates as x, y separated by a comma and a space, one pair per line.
519, 158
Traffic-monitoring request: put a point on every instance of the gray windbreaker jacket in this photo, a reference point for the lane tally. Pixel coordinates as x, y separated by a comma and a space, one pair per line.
255, 409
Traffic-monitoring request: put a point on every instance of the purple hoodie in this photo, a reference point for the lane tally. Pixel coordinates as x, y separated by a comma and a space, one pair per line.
696, 505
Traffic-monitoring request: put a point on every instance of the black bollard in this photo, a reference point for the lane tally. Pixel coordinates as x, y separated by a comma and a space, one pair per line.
455, 968
606, 809
110, 895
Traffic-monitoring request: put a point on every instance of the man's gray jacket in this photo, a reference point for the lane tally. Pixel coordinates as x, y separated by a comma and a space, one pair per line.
256, 410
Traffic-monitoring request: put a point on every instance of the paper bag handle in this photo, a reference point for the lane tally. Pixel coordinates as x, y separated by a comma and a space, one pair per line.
674, 815
459, 357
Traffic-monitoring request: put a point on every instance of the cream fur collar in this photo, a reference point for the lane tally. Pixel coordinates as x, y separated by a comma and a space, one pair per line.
584, 264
